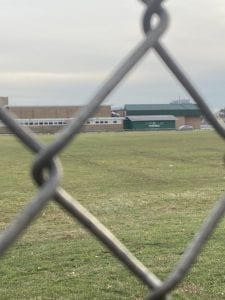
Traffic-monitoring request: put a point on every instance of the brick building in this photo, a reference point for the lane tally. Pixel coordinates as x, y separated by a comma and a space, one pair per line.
49, 119
4, 101
42, 112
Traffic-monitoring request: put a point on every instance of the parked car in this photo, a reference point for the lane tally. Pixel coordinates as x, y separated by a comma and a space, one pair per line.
185, 127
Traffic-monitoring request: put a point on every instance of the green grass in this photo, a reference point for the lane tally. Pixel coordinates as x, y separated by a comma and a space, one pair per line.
152, 189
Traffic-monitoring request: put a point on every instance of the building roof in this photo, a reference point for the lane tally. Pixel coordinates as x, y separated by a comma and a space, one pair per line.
152, 118
163, 109
189, 106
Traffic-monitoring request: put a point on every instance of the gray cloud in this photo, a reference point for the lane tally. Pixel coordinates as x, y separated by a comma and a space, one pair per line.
62, 51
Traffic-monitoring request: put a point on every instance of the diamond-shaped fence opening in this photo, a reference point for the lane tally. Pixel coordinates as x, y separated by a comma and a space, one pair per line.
50, 188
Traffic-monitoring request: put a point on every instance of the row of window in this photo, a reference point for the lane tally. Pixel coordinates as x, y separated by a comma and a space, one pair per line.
46, 122
101, 122
43, 123
56, 122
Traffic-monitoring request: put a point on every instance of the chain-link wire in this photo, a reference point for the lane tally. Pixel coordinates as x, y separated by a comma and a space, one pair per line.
50, 187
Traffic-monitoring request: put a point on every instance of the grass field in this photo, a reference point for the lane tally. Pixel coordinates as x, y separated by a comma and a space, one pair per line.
152, 189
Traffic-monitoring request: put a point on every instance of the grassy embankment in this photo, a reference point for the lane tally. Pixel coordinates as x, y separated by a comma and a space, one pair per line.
152, 189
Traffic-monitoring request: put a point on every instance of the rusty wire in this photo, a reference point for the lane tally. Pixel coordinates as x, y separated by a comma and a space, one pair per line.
50, 188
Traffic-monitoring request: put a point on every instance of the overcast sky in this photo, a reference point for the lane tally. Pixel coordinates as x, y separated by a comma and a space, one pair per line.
59, 52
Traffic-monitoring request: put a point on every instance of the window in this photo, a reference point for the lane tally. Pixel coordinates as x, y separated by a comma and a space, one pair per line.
50, 123
114, 122
106, 122
101, 122
40, 123
96, 122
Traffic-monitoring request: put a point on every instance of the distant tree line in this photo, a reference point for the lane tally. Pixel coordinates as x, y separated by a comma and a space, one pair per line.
222, 113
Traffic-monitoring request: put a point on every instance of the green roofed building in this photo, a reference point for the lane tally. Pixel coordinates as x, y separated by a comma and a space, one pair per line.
150, 123
186, 114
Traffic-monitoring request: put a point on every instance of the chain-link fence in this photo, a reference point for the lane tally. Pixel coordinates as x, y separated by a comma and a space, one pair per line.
49, 186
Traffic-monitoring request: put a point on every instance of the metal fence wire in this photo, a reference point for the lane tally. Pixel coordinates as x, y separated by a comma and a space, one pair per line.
50, 187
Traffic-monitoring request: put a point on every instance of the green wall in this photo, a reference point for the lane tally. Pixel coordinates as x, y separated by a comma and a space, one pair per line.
150, 125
